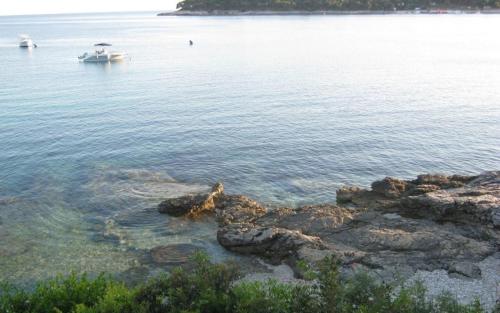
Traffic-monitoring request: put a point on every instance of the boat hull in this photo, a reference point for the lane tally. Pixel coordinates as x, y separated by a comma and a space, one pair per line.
106, 58
26, 44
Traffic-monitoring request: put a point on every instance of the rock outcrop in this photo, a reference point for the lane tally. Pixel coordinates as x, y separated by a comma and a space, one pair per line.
396, 228
467, 269
457, 199
476, 202
192, 205
388, 191
274, 243
232, 209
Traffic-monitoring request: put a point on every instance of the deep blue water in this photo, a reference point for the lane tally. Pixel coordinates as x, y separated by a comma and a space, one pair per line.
284, 109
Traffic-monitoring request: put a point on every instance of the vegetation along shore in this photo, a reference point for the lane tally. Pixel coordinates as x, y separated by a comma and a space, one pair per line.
330, 7
218, 288
324, 12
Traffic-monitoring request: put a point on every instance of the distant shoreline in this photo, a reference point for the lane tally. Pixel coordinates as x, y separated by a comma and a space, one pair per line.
357, 12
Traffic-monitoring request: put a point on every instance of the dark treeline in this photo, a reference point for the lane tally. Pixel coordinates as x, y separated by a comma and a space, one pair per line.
314, 5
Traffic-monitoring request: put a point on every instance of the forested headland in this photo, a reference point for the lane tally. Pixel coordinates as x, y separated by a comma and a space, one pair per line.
333, 5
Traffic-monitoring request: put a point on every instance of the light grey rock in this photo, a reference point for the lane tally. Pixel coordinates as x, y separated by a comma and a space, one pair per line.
467, 269
392, 216
312, 220
468, 204
485, 288
273, 243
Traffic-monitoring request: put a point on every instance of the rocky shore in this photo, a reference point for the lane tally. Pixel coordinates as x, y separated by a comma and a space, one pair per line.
396, 230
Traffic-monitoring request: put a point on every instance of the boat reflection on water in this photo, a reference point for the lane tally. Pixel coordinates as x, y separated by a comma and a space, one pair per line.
104, 66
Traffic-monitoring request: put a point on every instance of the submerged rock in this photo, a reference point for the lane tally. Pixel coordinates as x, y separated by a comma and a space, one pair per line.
174, 254
192, 205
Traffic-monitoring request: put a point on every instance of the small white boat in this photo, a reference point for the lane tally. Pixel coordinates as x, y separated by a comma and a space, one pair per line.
26, 42
102, 55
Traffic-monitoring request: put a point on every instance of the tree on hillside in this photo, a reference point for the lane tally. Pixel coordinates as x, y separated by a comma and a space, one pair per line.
315, 5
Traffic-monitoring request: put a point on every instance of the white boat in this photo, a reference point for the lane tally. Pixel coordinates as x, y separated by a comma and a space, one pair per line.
102, 55
26, 42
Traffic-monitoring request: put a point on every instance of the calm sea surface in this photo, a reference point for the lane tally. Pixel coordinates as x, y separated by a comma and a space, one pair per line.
284, 109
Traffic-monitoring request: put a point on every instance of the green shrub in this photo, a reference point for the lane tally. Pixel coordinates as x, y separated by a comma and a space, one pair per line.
213, 288
61, 294
274, 297
117, 299
331, 292
269, 297
206, 289
153, 294
412, 299
445, 303
13, 299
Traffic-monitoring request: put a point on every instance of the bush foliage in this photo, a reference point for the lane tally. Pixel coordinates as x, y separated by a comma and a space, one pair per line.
215, 288
315, 5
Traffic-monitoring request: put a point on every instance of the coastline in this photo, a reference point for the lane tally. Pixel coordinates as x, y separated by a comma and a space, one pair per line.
440, 230
337, 12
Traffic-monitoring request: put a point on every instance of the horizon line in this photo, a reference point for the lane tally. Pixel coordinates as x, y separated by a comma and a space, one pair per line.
89, 12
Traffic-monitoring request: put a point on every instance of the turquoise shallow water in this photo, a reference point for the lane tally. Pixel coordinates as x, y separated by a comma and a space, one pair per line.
284, 109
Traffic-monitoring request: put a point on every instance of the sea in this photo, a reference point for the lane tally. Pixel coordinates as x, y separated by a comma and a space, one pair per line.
284, 109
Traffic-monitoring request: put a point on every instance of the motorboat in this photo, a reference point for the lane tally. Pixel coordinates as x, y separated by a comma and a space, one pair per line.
26, 42
102, 55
